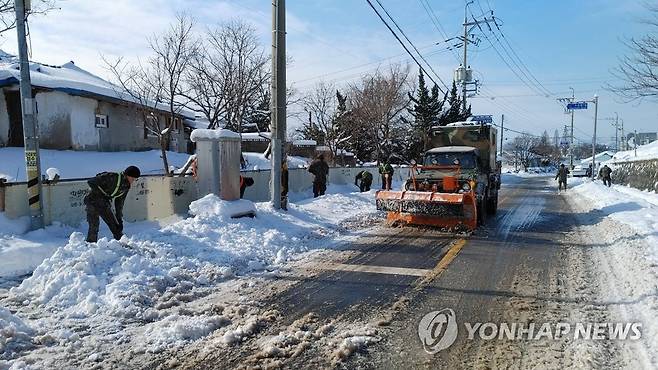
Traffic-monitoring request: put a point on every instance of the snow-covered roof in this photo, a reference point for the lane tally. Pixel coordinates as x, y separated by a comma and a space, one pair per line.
304, 142
67, 78
452, 149
256, 136
647, 151
601, 156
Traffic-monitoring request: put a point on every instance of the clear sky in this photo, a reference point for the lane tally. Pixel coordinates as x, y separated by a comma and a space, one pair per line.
563, 43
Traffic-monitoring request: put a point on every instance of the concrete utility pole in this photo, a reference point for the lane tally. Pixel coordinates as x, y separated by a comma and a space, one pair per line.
30, 131
278, 106
616, 132
465, 47
596, 112
573, 98
502, 130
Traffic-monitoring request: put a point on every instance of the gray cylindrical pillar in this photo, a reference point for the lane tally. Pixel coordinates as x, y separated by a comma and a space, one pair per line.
218, 162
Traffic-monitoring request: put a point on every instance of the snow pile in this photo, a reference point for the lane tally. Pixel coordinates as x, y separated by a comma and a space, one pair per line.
15, 335
176, 330
22, 252
83, 164
157, 268
53, 173
211, 206
200, 134
638, 209
354, 341
644, 152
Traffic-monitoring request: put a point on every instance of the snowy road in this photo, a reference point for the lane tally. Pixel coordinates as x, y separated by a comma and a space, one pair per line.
356, 298
533, 263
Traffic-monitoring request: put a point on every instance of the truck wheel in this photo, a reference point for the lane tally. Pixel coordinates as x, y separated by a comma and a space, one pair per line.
492, 205
482, 212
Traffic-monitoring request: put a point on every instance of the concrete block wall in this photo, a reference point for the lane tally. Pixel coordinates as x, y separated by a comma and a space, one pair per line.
158, 197
641, 175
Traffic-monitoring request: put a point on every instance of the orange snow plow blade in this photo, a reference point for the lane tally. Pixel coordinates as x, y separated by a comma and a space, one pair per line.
444, 210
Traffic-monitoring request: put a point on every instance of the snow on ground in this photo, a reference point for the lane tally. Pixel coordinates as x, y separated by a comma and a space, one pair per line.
530, 172
82, 164
647, 151
108, 285
635, 208
77, 164
619, 241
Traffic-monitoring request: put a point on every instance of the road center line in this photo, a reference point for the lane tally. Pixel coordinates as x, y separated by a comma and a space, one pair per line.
443, 263
374, 269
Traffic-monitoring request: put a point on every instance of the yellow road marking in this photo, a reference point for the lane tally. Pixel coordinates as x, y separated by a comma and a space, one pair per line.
375, 269
443, 263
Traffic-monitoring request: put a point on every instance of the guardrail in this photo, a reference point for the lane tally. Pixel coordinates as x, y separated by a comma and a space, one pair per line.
154, 197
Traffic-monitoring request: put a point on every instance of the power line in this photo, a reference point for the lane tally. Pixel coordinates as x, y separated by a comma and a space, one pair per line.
400, 41
525, 67
437, 24
409, 41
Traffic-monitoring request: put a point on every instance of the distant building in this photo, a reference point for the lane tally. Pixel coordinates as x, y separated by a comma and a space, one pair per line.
80, 111
643, 137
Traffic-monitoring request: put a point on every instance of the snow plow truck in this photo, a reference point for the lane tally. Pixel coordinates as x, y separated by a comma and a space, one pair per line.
455, 186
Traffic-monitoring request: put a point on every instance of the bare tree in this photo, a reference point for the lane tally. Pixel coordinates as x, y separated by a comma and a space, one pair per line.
326, 108
156, 85
173, 51
523, 147
379, 100
8, 12
227, 79
145, 86
639, 70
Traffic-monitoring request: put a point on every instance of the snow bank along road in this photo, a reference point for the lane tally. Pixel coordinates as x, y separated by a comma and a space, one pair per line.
347, 292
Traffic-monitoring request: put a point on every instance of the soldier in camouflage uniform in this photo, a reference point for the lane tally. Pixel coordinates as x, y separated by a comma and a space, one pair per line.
105, 188
561, 176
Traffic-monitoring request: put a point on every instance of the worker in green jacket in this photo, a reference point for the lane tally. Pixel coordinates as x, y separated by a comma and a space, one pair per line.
108, 187
366, 180
386, 171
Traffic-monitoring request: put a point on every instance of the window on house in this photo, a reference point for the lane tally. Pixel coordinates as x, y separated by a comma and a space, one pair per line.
101, 121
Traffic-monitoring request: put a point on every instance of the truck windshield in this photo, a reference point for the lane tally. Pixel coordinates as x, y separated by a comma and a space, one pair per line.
465, 160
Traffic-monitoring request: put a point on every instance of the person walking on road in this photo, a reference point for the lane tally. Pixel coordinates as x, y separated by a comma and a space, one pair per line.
105, 188
561, 176
366, 180
320, 170
386, 171
605, 175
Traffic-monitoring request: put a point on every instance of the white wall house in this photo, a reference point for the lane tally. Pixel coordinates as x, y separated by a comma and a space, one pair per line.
80, 111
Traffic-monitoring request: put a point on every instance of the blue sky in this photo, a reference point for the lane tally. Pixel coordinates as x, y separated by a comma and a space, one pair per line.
563, 43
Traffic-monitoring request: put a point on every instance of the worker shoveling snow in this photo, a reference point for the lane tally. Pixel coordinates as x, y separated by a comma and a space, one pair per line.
111, 287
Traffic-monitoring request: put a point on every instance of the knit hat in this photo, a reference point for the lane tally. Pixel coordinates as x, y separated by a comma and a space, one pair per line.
132, 171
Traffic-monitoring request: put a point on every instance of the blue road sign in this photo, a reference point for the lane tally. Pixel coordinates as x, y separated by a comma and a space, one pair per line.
482, 119
577, 105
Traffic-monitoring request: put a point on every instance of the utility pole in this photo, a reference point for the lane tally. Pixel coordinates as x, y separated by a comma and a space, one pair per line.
616, 132
278, 105
573, 98
635, 142
30, 133
502, 130
567, 110
465, 47
464, 75
596, 112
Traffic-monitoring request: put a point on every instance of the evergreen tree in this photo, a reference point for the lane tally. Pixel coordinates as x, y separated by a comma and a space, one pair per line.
454, 113
425, 110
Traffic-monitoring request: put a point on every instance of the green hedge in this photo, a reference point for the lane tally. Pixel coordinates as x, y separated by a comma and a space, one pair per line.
641, 175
